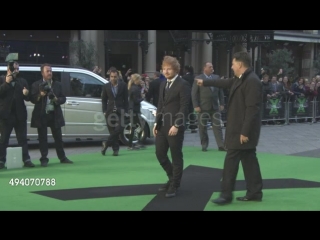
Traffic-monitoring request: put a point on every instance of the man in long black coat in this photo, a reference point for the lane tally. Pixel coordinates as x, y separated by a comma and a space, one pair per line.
47, 112
243, 129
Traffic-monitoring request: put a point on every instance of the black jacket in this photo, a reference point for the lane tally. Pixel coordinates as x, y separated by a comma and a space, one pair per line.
39, 110
135, 98
8, 93
109, 101
173, 107
244, 109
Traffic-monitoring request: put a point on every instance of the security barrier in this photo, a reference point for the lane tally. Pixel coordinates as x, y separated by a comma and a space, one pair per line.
284, 110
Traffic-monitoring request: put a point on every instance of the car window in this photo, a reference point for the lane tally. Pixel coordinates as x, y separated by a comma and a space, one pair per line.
84, 85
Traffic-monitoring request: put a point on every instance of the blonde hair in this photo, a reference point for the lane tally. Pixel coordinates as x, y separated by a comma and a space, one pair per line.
134, 77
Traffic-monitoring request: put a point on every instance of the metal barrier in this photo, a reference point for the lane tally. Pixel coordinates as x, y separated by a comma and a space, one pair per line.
274, 109
284, 110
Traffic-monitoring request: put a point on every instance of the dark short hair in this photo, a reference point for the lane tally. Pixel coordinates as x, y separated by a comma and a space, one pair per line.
114, 70
44, 65
243, 57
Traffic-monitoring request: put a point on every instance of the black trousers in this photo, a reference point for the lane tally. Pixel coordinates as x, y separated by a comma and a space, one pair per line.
164, 142
251, 171
135, 121
49, 121
20, 128
115, 125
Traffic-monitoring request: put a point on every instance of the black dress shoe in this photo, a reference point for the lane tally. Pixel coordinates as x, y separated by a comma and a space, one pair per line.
28, 163
104, 148
66, 160
221, 201
44, 163
171, 192
204, 150
222, 149
115, 153
247, 199
2, 165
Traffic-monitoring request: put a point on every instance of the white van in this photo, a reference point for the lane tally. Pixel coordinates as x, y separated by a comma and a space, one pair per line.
83, 109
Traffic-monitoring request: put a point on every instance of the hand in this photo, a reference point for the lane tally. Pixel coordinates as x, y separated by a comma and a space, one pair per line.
243, 139
199, 82
25, 91
173, 131
42, 94
221, 108
154, 130
197, 109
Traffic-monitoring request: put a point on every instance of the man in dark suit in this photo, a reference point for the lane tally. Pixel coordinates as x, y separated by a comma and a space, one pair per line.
208, 102
47, 97
189, 77
169, 127
153, 92
115, 108
13, 114
243, 129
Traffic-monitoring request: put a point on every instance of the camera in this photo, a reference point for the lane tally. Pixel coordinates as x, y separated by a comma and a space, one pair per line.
44, 87
11, 59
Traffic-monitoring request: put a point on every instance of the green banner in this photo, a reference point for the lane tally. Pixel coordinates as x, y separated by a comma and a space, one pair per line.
274, 109
301, 103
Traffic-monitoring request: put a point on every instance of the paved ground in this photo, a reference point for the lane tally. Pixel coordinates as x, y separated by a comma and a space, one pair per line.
300, 139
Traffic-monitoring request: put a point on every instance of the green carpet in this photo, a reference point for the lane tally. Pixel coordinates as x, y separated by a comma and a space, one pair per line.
129, 182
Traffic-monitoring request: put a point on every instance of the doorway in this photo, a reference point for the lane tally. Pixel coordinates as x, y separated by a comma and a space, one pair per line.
121, 62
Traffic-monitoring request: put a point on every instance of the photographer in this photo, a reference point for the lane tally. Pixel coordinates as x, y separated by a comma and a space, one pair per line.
47, 96
13, 113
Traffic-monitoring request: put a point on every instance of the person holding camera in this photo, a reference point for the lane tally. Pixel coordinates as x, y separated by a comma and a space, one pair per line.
13, 113
115, 108
47, 96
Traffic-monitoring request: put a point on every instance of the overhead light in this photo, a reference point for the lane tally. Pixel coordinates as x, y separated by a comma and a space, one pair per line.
57, 36
4, 34
30, 35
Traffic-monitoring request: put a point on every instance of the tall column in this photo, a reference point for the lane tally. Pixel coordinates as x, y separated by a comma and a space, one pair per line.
187, 58
139, 59
206, 50
151, 56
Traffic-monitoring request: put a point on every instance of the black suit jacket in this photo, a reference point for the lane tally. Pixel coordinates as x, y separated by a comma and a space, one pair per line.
39, 110
244, 109
173, 108
8, 92
153, 92
109, 101
135, 98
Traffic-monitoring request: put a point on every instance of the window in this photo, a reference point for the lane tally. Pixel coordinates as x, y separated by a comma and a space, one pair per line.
83, 85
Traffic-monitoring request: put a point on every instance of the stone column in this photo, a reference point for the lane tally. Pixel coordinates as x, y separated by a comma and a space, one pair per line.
206, 50
187, 58
307, 63
151, 56
139, 59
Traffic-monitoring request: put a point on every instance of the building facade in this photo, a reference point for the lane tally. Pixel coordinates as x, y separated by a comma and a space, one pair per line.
143, 50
